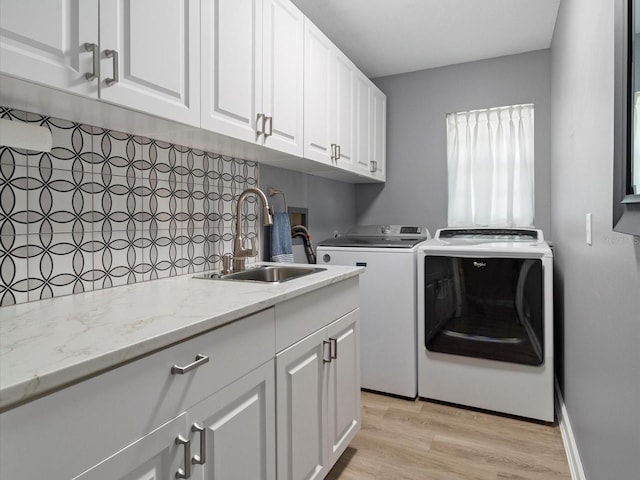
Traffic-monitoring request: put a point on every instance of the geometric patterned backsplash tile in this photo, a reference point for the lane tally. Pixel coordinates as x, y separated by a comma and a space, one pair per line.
106, 208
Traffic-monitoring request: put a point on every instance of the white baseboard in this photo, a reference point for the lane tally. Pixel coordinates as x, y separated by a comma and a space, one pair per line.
569, 441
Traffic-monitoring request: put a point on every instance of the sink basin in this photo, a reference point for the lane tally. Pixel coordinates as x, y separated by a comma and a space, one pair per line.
266, 274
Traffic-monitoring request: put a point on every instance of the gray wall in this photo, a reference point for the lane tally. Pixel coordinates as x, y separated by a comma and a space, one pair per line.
598, 287
331, 203
417, 103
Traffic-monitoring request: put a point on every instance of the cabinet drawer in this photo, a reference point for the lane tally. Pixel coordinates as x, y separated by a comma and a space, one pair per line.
308, 313
109, 411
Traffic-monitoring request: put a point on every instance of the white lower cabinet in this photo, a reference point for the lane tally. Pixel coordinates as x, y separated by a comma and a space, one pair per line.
301, 409
318, 399
154, 456
207, 408
228, 436
141, 407
343, 390
234, 430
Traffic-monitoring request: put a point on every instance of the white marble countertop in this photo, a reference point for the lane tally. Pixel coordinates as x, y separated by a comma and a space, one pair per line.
52, 343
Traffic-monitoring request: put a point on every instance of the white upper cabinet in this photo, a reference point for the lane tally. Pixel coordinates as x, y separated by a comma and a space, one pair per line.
379, 134
363, 125
344, 102
143, 55
329, 78
282, 75
252, 61
44, 42
232, 67
248, 73
371, 129
318, 104
151, 56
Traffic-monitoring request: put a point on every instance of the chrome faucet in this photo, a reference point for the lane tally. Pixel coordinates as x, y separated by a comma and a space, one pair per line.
240, 253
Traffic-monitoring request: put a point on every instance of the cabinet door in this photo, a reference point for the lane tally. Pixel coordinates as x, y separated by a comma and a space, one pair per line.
282, 75
379, 133
318, 104
363, 125
232, 67
239, 430
301, 409
158, 49
154, 456
343, 390
43, 42
343, 96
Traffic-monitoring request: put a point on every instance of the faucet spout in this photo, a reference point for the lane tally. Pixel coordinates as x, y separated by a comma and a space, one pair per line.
240, 253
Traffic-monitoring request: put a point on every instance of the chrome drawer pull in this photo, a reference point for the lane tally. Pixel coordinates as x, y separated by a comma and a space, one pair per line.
116, 67
261, 116
200, 360
333, 348
200, 459
270, 119
94, 49
326, 343
186, 471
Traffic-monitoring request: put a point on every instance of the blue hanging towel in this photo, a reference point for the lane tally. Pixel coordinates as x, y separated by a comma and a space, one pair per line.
281, 249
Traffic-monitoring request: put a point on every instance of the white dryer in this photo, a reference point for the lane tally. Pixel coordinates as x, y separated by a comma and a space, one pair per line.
485, 320
388, 328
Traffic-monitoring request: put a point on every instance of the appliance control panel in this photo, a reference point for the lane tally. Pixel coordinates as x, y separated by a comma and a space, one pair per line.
389, 231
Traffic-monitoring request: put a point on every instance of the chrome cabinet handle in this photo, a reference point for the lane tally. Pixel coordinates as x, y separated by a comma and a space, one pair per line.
200, 360
116, 69
270, 126
200, 459
333, 348
373, 166
333, 152
261, 116
186, 471
95, 50
338, 153
326, 348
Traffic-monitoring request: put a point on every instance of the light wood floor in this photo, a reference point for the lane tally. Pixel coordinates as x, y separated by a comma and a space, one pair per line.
418, 440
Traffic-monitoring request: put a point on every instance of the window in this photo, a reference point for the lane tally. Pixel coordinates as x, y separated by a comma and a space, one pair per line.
490, 167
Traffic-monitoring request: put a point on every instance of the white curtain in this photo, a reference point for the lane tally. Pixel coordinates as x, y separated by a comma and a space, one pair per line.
490, 167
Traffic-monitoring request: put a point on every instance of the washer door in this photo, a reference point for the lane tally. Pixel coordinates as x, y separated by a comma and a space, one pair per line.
485, 307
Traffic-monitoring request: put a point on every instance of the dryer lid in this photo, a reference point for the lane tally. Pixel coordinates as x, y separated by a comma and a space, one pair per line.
490, 234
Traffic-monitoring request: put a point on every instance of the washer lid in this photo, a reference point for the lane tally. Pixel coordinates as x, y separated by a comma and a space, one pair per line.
371, 242
380, 236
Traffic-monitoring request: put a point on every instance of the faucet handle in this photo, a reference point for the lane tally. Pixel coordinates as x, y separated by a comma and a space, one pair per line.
226, 263
253, 251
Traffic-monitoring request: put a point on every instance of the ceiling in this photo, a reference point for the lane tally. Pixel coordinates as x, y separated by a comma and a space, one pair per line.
387, 37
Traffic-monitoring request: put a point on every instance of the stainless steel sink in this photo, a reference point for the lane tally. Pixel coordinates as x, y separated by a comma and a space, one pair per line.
265, 274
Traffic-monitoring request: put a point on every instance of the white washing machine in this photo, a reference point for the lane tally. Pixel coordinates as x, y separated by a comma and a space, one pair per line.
388, 328
485, 320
